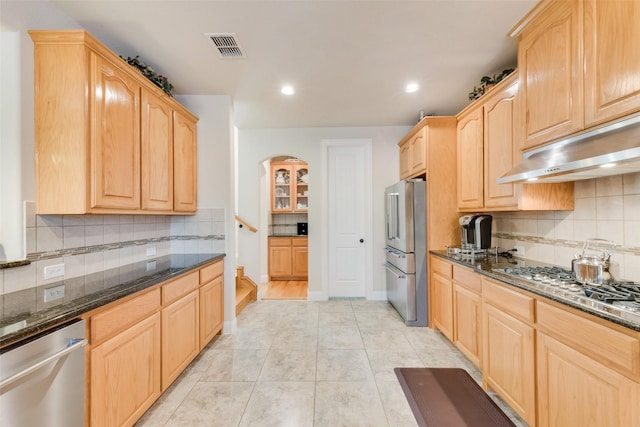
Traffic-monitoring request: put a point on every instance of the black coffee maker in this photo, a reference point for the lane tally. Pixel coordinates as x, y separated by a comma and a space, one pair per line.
302, 229
475, 232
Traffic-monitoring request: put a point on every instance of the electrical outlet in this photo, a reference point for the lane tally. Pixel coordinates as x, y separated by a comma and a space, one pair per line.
519, 250
52, 271
54, 293
151, 265
151, 251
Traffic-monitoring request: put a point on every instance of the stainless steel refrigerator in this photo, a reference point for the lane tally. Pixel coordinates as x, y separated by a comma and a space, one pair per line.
406, 250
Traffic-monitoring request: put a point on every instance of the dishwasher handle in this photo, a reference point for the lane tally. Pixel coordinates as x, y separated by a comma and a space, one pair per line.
74, 344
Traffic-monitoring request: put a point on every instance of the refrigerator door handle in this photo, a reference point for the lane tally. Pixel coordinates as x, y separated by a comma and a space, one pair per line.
392, 216
399, 274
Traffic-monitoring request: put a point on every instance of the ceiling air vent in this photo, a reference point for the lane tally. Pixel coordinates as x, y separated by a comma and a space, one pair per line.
226, 44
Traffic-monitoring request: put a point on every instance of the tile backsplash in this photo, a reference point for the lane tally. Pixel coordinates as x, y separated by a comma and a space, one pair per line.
88, 244
607, 208
286, 224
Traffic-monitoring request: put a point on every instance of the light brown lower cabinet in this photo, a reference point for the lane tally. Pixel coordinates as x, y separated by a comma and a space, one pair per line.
575, 390
180, 336
554, 365
588, 372
441, 293
139, 346
124, 361
211, 302
508, 360
288, 258
468, 322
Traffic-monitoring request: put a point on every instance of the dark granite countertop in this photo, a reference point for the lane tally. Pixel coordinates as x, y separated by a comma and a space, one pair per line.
25, 312
490, 266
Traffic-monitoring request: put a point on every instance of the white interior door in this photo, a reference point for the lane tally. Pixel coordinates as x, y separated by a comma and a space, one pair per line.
348, 208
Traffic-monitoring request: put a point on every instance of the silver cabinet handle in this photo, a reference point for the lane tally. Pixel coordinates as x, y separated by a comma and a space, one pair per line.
74, 344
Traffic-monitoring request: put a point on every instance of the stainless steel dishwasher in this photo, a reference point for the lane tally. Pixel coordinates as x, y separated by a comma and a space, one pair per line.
42, 381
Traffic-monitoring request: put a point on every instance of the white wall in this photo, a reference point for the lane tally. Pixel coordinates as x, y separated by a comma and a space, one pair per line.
257, 145
17, 141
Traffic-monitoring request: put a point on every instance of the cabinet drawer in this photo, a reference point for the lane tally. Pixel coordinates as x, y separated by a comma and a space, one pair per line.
210, 272
510, 301
441, 267
614, 348
299, 241
467, 278
181, 286
120, 317
279, 241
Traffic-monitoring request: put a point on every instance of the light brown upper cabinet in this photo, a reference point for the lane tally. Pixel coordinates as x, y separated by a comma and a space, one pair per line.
156, 153
413, 155
470, 169
612, 59
185, 177
107, 140
289, 187
578, 62
488, 148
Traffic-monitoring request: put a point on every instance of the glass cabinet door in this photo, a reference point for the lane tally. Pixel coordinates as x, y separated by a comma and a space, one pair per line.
281, 197
302, 189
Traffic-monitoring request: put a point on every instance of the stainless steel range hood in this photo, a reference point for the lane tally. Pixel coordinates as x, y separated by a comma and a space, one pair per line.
612, 149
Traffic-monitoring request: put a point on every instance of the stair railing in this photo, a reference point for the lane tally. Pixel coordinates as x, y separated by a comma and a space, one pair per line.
245, 224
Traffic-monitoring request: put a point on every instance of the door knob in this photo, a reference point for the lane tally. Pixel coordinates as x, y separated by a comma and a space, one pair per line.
361, 240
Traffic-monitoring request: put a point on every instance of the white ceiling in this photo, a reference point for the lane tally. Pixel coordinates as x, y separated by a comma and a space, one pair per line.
348, 60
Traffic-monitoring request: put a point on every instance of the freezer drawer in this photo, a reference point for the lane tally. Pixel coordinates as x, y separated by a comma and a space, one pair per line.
401, 292
405, 262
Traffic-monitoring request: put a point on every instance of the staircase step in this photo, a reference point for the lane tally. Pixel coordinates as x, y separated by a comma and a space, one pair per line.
243, 297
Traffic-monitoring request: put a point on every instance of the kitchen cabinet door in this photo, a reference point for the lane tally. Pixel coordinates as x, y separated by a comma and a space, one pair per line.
509, 360
470, 160
500, 145
280, 261
418, 149
299, 257
551, 74
442, 294
185, 164
574, 390
115, 142
405, 160
281, 187
468, 323
125, 375
612, 59
211, 309
180, 336
156, 153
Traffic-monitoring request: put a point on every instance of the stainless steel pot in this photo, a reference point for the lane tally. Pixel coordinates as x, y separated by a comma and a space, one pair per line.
593, 269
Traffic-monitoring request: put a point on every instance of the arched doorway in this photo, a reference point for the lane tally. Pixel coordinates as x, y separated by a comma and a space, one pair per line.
287, 190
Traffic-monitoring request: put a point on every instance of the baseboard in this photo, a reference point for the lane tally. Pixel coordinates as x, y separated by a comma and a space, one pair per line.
377, 296
316, 296
230, 327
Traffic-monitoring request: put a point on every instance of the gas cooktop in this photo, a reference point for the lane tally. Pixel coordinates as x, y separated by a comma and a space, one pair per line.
621, 295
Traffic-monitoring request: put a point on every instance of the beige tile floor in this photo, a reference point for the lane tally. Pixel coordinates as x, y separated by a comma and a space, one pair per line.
304, 363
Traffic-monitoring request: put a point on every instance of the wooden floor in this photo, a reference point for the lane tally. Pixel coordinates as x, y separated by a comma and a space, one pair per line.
285, 289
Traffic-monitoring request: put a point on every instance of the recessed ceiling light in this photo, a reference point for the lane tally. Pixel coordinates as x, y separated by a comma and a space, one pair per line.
608, 165
412, 87
287, 90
